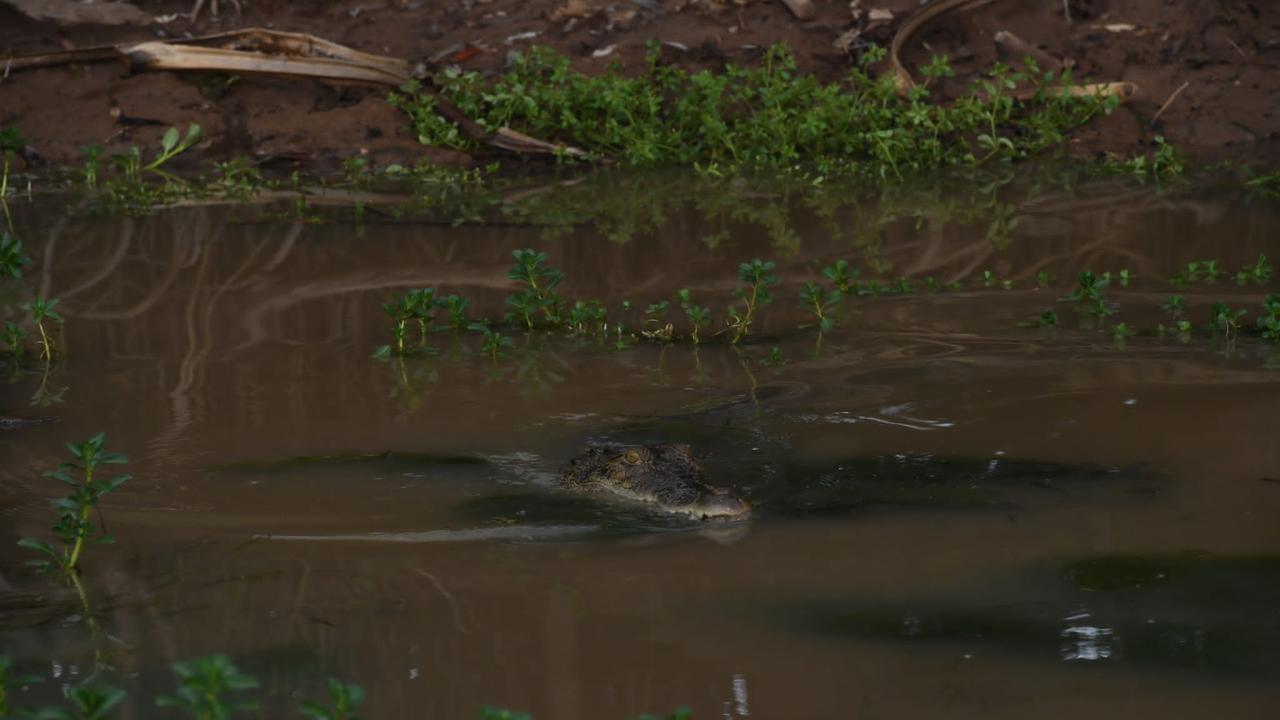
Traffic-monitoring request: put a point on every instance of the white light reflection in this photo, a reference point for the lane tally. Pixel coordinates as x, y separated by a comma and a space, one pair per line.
739, 707
1083, 641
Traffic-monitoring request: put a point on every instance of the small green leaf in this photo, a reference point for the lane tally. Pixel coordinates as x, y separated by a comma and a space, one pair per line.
313, 709
170, 140
38, 545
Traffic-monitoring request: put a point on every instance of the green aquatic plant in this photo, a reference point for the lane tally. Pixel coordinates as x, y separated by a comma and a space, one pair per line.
1048, 319
775, 358
400, 310
203, 686
1100, 308
74, 527
210, 688
1265, 184
655, 321
1090, 287
238, 179
7, 681
88, 702
1164, 163
42, 311
493, 713
1182, 328
1269, 320
1210, 270
172, 144
16, 336
1043, 279
820, 301
493, 343
456, 308
1225, 320
699, 316
11, 258
422, 309
1187, 275
344, 698
11, 143
1124, 277
1259, 272
91, 156
842, 278
759, 278
680, 713
1176, 306
586, 317
539, 293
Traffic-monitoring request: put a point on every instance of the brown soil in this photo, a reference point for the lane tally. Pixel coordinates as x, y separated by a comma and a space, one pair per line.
1224, 50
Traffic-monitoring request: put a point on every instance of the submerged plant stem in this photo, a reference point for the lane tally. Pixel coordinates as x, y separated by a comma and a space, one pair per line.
83, 527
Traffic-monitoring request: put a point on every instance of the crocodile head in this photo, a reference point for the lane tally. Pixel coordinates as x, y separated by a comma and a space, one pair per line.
666, 477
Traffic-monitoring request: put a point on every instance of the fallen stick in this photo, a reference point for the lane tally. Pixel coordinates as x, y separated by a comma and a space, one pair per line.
1019, 48
800, 9
1173, 96
911, 26
281, 54
164, 56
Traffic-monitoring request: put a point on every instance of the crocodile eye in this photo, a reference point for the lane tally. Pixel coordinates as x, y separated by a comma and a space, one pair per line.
631, 457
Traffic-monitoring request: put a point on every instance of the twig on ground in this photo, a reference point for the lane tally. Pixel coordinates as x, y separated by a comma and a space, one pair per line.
1172, 96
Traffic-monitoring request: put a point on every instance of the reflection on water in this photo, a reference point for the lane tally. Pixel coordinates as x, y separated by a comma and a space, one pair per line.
1082, 641
956, 516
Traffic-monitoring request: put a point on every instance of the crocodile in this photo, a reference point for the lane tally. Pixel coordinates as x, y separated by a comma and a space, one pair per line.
666, 476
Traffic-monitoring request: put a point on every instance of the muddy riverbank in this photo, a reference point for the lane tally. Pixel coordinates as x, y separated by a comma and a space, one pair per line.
1222, 55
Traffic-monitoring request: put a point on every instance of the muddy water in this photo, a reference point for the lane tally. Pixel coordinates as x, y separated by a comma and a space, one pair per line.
955, 516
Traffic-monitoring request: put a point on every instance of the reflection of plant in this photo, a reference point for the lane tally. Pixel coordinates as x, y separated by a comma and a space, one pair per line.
11, 258
73, 526
44, 396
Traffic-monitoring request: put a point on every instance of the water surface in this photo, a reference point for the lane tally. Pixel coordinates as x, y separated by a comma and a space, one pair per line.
957, 516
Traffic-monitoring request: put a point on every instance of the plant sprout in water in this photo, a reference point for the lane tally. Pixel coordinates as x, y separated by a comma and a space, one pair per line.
759, 278
42, 312
74, 527
699, 317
